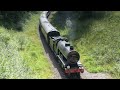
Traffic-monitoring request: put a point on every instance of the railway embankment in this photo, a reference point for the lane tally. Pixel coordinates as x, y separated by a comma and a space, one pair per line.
95, 35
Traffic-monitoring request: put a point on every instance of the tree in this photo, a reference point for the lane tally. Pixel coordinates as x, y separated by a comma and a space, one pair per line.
13, 19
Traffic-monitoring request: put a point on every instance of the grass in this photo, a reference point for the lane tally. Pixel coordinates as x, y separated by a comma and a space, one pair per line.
21, 52
96, 38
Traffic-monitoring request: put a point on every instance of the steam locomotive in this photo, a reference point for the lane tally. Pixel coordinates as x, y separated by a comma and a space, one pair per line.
68, 58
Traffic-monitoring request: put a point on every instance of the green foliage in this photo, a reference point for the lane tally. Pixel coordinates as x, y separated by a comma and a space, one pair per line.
96, 38
4, 38
11, 63
21, 41
21, 53
34, 53
14, 19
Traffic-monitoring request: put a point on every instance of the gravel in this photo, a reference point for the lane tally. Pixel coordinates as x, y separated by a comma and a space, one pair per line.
87, 75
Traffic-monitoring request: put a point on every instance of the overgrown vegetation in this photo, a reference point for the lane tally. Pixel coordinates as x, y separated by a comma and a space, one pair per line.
95, 35
21, 53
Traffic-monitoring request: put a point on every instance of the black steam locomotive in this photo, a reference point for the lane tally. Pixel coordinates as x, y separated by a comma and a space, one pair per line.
63, 50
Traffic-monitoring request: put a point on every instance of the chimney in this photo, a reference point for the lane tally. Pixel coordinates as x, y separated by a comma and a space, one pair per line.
71, 47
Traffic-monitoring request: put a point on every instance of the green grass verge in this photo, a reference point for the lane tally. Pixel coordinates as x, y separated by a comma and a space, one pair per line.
21, 53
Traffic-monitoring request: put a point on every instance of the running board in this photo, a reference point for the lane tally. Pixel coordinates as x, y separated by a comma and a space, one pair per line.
61, 60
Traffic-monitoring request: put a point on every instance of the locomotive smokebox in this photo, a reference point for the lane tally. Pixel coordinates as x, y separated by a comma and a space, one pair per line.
73, 57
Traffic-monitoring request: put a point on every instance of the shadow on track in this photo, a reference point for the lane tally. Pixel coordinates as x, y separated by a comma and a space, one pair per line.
51, 55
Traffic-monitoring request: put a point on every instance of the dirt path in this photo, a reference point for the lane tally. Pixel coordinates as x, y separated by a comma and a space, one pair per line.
87, 75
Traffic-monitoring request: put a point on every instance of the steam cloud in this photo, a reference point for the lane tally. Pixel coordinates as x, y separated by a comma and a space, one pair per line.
71, 27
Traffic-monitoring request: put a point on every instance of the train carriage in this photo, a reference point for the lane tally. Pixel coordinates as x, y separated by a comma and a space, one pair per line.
47, 29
